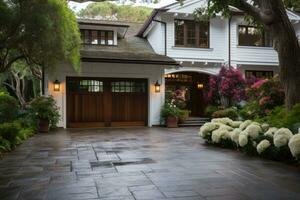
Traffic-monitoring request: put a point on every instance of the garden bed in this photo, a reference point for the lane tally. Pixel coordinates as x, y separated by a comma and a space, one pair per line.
253, 138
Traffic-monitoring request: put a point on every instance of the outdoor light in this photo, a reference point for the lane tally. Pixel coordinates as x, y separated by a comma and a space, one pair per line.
200, 86
157, 87
56, 85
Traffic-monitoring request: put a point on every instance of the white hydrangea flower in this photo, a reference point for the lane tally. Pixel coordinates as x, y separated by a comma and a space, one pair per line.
244, 125
271, 132
294, 145
243, 139
216, 136
234, 135
225, 120
265, 126
282, 137
253, 130
207, 128
262, 146
254, 144
236, 124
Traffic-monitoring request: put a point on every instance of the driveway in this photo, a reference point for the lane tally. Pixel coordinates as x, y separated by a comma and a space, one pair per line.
139, 163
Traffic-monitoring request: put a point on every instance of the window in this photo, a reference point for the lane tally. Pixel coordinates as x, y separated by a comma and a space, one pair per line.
97, 37
192, 34
128, 87
259, 74
85, 86
252, 36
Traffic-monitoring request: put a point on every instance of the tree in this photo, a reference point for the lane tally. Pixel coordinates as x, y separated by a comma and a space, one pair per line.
40, 32
272, 15
112, 11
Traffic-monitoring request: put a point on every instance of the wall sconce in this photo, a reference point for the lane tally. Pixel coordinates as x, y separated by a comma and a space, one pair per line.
56, 85
157, 87
200, 86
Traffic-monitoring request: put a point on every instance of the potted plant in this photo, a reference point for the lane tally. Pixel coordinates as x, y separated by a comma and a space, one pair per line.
170, 113
45, 112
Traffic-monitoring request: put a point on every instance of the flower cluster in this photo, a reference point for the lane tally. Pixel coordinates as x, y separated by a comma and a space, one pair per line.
229, 83
251, 136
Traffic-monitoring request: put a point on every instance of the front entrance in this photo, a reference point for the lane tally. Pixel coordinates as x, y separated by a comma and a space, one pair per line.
106, 102
191, 85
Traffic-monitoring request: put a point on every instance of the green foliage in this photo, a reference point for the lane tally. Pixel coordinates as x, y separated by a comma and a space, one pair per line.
111, 11
170, 110
45, 108
228, 112
8, 107
279, 117
42, 32
10, 132
209, 110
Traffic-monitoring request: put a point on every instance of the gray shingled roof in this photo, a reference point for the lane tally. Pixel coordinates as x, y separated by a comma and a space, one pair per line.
129, 48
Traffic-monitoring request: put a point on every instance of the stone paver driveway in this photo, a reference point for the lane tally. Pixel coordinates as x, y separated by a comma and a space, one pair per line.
139, 163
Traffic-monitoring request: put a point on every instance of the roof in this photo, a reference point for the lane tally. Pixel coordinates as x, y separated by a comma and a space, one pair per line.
130, 49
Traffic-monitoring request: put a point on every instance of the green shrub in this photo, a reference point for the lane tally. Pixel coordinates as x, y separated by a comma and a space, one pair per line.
25, 133
4, 145
280, 117
229, 112
8, 107
10, 132
209, 110
170, 110
44, 108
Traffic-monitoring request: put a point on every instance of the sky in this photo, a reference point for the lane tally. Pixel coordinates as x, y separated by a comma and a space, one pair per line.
78, 6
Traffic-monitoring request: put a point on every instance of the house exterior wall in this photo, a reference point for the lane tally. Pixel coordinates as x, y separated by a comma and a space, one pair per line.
246, 54
157, 38
152, 73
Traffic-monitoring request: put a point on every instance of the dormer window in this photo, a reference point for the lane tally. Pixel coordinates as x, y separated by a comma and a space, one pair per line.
97, 37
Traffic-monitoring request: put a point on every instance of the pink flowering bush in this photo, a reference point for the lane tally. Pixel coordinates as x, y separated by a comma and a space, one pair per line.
229, 84
263, 96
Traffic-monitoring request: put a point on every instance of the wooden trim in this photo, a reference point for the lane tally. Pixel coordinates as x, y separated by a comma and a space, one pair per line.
135, 123
197, 34
86, 125
131, 61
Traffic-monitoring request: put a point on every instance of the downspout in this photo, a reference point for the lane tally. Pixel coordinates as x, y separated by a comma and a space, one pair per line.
229, 41
165, 25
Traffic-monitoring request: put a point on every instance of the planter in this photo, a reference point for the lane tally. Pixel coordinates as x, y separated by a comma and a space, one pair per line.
44, 126
172, 122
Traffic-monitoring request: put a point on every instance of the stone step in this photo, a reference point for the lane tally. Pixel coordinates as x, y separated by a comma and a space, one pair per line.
194, 121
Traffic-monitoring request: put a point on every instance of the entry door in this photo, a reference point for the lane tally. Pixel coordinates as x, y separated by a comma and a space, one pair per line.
104, 102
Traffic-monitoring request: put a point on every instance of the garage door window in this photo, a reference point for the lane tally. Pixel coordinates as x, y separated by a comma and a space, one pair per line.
93, 86
128, 87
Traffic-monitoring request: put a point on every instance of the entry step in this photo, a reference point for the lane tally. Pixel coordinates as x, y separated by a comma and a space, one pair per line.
194, 121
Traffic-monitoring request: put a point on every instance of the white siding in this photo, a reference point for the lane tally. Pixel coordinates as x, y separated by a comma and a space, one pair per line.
218, 51
151, 72
156, 38
249, 55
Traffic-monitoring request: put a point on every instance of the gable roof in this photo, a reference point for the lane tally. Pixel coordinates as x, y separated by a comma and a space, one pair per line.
130, 49
189, 6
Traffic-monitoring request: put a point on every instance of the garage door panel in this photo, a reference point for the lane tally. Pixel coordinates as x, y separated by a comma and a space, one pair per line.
95, 102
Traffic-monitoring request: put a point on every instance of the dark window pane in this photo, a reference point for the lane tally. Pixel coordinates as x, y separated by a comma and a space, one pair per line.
128, 87
204, 34
94, 35
110, 38
179, 32
191, 34
102, 37
259, 74
252, 36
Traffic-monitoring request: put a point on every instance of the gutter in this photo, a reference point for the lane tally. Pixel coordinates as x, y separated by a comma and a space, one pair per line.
229, 40
165, 25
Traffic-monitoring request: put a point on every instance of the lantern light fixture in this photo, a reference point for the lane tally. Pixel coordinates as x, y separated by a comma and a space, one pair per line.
157, 87
200, 86
56, 85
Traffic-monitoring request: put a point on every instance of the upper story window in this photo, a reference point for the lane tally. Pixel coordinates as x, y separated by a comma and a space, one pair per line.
99, 37
259, 74
253, 36
191, 33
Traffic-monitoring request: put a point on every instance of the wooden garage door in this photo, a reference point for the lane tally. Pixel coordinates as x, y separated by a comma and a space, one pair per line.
104, 102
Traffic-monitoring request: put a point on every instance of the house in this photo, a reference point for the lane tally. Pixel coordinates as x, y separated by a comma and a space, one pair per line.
128, 68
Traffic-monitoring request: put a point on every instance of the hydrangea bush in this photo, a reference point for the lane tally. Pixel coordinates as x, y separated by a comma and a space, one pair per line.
253, 138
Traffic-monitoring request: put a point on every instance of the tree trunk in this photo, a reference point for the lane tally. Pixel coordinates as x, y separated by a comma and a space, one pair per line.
287, 46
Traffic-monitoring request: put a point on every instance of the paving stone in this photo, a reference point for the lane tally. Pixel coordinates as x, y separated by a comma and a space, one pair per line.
139, 163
